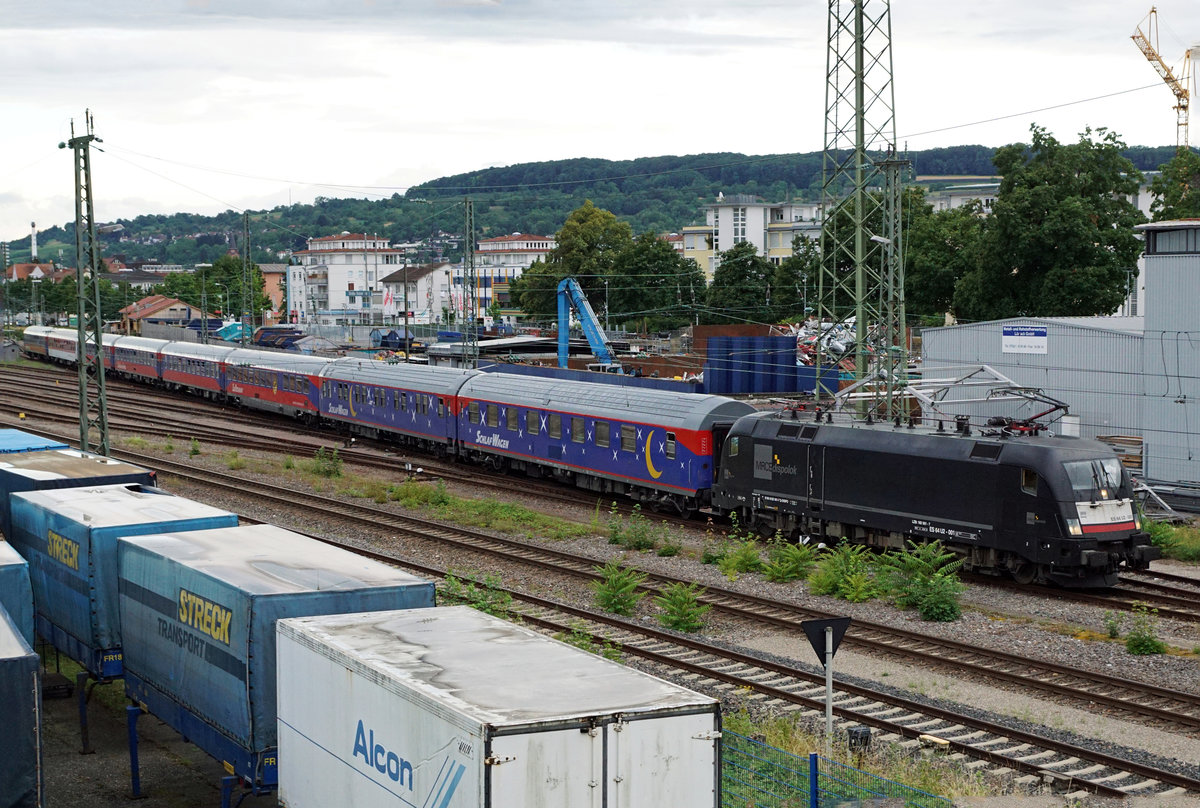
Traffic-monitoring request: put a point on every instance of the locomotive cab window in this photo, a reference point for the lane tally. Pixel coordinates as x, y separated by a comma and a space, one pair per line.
733, 446
1029, 481
670, 450
554, 425
602, 434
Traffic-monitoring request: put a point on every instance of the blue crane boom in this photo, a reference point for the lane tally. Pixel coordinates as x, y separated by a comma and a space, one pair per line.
571, 296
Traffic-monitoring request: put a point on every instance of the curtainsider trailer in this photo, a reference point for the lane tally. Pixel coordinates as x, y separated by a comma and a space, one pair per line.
198, 612
453, 708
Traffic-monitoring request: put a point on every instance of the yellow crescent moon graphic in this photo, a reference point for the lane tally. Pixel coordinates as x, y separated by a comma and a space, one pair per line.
353, 414
650, 466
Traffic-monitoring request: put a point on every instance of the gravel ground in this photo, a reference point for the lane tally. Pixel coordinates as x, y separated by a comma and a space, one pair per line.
994, 618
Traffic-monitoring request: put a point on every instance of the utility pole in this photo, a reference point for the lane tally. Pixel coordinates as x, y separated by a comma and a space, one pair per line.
861, 272
246, 294
204, 309
407, 336
93, 403
470, 293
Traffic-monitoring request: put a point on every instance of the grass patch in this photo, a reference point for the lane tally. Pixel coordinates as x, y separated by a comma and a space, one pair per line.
931, 774
136, 442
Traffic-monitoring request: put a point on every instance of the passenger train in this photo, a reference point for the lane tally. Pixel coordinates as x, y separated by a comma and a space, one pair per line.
1038, 508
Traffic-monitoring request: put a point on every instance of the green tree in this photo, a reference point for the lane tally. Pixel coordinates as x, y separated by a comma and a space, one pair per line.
794, 285
652, 285
1060, 239
741, 287
1176, 189
587, 246
940, 248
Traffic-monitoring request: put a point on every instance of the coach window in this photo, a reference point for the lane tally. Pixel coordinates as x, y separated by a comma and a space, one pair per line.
554, 425
602, 433
578, 433
441, 406
670, 446
531, 421
628, 439
473, 412
380, 397
1029, 481
403, 401
493, 415
512, 419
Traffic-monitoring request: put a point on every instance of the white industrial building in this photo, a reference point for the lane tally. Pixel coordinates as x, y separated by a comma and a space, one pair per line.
337, 281
1135, 378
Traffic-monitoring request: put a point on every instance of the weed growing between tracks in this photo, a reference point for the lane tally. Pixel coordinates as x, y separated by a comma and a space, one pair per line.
932, 774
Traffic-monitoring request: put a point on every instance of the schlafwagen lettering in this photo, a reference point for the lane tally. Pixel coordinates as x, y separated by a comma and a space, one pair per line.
62, 549
205, 616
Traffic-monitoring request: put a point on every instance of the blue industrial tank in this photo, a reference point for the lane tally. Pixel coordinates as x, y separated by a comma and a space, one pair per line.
69, 537
198, 610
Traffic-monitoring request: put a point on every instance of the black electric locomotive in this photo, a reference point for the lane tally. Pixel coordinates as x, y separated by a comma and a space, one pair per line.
1043, 509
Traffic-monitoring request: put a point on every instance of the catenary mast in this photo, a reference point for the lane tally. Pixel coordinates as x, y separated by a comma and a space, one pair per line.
862, 275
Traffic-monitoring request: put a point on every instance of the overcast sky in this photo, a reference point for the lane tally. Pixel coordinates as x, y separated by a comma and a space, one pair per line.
207, 105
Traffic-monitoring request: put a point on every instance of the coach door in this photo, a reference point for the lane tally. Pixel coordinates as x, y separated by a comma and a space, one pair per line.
816, 478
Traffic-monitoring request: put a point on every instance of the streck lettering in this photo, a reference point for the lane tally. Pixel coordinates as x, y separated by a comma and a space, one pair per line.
62, 549
379, 758
203, 615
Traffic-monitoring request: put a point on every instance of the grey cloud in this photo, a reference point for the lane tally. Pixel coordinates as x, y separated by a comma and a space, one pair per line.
630, 21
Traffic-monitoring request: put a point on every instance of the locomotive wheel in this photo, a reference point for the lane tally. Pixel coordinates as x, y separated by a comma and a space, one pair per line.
1024, 573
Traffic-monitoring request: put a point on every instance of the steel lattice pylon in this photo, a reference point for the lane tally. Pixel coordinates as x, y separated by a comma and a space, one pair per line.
93, 403
862, 277
470, 298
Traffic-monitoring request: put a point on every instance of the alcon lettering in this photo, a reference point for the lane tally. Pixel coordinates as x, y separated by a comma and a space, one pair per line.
379, 758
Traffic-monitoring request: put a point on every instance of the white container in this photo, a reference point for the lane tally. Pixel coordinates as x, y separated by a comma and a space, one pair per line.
451, 708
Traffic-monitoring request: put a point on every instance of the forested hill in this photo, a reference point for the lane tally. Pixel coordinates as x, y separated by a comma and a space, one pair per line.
660, 194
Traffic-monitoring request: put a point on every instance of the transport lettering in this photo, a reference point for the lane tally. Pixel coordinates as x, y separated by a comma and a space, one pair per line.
62, 549
338, 409
205, 616
379, 758
185, 639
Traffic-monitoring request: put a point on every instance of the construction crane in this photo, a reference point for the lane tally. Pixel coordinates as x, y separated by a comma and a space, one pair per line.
1147, 42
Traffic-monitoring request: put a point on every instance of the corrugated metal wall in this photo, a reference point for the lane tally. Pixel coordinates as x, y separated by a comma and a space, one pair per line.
1171, 423
1097, 372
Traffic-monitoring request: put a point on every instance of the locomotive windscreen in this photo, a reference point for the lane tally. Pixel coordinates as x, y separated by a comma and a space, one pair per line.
1094, 479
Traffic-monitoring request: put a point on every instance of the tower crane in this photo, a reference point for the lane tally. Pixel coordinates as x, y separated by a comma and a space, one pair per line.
1147, 42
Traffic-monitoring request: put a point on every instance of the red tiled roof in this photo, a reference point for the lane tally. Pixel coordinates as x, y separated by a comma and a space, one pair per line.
19, 272
148, 306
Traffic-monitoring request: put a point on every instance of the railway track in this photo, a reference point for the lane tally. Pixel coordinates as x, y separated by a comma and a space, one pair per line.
1159, 707
789, 688
243, 429
1031, 758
